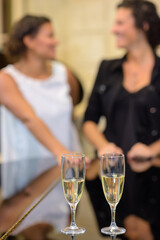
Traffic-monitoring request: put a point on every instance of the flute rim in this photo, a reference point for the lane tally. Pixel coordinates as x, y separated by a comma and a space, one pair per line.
73, 155
112, 155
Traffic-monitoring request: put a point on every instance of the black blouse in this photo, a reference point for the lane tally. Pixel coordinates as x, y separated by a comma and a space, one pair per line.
144, 105
131, 118
130, 123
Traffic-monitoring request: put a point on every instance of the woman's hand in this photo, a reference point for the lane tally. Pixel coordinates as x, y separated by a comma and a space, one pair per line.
109, 148
137, 228
140, 157
62, 150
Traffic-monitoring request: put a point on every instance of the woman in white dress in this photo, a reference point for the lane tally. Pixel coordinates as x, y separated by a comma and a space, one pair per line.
37, 95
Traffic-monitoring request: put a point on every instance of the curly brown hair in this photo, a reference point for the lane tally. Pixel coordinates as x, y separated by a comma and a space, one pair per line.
145, 12
15, 48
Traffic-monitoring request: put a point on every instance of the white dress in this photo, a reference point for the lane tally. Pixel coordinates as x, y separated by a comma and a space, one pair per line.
23, 157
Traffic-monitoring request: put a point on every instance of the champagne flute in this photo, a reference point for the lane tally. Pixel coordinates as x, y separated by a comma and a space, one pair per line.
112, 177
73, 178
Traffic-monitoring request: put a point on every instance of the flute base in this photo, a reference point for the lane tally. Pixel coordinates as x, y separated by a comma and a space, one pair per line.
113, 230
73, 231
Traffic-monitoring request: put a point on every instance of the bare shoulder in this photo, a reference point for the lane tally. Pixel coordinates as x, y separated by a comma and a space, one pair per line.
8, 87
6, 80
5, 77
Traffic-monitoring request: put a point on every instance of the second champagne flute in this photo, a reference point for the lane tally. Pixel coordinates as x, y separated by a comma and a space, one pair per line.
73, 178
112, 177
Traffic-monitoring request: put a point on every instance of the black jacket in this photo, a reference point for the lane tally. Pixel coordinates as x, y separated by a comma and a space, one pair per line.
147, 184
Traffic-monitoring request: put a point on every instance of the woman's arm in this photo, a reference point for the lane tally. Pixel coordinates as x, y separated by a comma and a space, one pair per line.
13, 100
141, 151
96, 137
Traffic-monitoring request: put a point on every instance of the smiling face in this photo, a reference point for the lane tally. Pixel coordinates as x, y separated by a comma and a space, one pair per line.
127, 35
44, 43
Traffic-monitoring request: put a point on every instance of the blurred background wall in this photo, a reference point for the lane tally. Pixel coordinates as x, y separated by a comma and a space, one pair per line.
82, 26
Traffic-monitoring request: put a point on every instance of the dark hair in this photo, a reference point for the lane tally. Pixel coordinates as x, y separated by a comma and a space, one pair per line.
145, 12
28, 25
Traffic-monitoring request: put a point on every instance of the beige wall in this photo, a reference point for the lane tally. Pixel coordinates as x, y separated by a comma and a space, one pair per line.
83, 28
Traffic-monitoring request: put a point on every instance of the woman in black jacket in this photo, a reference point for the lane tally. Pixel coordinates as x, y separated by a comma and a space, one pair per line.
127, 94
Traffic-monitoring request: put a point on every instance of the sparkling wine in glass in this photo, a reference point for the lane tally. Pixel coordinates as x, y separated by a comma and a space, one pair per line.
73, 178
112, 177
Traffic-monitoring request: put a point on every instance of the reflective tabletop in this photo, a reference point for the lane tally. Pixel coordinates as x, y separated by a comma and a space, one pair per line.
17, 208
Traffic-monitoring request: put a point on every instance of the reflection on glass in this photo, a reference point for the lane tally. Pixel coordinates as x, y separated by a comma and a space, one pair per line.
113, 237
16, 209
39, 187
75, 237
